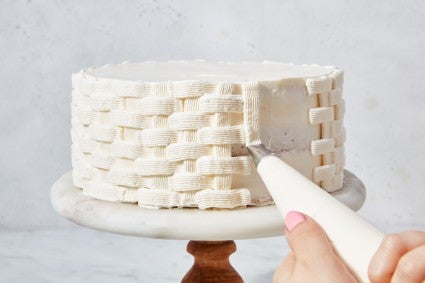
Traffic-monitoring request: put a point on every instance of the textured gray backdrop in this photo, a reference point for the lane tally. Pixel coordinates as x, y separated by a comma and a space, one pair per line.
380, 45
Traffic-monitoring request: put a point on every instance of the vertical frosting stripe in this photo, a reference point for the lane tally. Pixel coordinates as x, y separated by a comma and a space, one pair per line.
251, 93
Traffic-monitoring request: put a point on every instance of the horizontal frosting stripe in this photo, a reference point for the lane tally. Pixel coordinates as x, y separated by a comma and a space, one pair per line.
334, 183
79, 99
124, 177
85, 145
156, 105
185, 150
221, 103
322, 146
222, 198
188, 182
320, 115
204, 199
181, 121
318, 85
209, 165
78, 180
324, 172
84, 115
131, 119
101, 133
157, 137
101, 160
164, 198
155, 182
222, 135
84, 171
109, 192
103, 103
126, 149
154, 166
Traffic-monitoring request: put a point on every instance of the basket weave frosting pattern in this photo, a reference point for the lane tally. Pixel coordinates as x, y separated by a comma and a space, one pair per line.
180, 143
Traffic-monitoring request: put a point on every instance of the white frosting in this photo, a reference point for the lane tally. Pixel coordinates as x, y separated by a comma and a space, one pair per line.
167, 134
207, 71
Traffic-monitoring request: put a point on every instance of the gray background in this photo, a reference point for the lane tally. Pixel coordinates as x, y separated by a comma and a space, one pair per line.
380, 45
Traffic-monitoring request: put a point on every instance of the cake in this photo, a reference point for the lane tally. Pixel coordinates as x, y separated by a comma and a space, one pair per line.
173, 134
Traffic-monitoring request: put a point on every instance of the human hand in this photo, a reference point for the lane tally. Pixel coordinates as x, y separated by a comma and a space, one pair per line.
313, 258
399, 259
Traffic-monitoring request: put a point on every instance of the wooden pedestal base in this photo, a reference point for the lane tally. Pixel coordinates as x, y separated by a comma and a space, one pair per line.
211, 262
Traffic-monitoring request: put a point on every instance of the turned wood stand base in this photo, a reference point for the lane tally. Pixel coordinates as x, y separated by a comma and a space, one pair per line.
212, 263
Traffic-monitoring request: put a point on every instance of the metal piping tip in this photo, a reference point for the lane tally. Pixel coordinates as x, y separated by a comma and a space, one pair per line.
258, 151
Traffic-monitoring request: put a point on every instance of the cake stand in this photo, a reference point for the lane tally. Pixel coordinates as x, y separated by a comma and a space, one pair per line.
210, 232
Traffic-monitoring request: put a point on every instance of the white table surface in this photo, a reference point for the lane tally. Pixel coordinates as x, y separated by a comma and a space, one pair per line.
82, 255
79, 254
188, 224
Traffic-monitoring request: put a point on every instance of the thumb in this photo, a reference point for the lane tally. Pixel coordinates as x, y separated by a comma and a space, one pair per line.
306, 238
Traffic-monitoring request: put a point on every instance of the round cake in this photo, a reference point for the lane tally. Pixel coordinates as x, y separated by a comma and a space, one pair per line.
173, 134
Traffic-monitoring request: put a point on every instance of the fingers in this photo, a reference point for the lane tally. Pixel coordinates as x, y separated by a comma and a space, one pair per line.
411, 267
285, 270
313, 258
386, 259
307, 239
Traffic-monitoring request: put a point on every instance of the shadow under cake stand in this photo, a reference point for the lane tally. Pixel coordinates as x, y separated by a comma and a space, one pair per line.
211, 232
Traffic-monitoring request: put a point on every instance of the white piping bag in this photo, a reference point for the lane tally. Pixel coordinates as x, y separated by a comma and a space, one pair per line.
354, 239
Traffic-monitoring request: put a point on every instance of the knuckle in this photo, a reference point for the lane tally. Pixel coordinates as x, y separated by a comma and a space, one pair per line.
374, 275
406, 267
377, 271
392, 241
302, 234
306, 232
301, 237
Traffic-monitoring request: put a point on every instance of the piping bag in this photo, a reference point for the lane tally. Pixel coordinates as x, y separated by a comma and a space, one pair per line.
354, 239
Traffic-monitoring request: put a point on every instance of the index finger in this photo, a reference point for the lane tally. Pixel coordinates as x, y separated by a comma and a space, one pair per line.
393, 247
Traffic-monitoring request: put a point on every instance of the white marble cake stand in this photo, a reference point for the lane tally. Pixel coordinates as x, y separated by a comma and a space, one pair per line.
211, 232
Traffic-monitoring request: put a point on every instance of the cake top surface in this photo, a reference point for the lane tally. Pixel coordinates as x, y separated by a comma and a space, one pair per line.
207, 71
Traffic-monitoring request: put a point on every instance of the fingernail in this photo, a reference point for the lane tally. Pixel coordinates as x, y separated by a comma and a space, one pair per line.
292, 219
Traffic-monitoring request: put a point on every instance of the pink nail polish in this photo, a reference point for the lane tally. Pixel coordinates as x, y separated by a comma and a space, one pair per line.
292, 219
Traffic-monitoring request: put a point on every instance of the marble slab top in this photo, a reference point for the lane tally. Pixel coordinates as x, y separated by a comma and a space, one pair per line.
185, 224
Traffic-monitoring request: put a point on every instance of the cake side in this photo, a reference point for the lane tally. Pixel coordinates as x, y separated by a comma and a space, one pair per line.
181, 143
